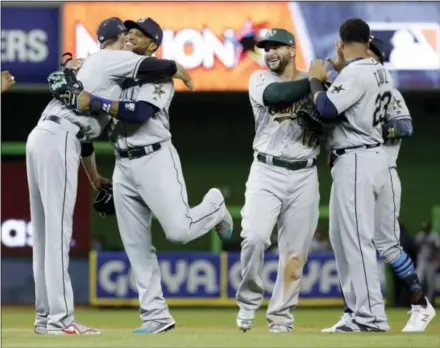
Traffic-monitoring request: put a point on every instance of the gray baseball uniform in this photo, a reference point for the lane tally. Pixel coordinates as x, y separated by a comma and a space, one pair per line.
387, 235
362, 92
153, 184
276, 195
53, 153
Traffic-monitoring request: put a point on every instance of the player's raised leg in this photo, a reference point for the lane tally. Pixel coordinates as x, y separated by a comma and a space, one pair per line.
134, 223
296, 226
387, 242
259, 215
38, 248
356, 187
167, 198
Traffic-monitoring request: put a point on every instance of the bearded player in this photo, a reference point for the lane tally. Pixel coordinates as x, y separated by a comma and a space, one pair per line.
282, 187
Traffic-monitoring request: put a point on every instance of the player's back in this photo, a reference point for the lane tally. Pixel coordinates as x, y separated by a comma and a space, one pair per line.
362, 124
97, 79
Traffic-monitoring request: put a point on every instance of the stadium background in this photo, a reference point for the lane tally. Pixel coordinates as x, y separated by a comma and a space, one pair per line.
212, 130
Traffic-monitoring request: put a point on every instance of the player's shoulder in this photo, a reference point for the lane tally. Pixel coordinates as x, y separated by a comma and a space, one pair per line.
260, 77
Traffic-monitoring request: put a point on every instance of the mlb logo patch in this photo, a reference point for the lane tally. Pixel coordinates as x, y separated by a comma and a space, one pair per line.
409, 46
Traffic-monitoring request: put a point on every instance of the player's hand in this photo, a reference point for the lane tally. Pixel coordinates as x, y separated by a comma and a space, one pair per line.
183, 75
7, 80
338, 63
74, 64
318, 70
99, 181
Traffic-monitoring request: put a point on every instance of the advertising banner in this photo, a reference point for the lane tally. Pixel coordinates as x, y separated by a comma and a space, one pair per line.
208, 39
208, 279
215, 40
17, 233
30, 42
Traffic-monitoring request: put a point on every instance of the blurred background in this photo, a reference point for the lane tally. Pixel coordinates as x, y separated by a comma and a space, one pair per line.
213, 131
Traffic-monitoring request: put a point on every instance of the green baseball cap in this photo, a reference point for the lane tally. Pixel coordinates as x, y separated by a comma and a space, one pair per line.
277, 35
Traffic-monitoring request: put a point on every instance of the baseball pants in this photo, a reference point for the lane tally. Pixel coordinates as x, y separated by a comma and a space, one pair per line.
52, 162
154, 185
359, 177
289, 199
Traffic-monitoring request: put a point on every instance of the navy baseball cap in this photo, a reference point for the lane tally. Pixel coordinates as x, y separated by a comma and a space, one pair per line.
109, 28
149, 27
377, 46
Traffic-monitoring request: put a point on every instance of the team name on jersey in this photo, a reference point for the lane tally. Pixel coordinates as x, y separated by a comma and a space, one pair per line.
281, 113
381, 76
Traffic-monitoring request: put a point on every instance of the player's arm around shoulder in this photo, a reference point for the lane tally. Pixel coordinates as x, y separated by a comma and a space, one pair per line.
398, 122
266, 90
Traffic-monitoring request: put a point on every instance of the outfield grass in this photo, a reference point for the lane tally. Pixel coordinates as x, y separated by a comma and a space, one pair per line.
212, 328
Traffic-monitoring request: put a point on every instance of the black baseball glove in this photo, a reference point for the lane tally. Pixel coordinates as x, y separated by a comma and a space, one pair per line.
103, 203
308, 116
65, 87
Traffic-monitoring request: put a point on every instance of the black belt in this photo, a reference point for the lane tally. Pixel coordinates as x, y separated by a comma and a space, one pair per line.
56, 119
340, 152
138, 152
284, 164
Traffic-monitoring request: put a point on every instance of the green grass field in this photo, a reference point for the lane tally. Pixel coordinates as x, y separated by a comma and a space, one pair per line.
212, 328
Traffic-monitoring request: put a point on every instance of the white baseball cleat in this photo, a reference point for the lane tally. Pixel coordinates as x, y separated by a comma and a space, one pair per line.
245, 319
420, 318
225, 227
74, 329
276, 328
40, 330
344, 320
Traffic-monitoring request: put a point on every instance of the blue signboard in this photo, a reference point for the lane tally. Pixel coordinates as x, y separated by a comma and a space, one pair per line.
30, 42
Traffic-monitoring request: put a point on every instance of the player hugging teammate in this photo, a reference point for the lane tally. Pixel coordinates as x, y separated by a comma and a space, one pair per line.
365, 195
363, 117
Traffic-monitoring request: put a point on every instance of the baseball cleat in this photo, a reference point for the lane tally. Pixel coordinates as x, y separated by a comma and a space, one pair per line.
154, 327
342, 321
245, 319
276, 328
351, 326
225, 227
420, 318
74, 329
40, 330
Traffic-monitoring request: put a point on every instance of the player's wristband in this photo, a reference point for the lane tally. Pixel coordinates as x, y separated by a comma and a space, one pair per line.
316, 85
98, 105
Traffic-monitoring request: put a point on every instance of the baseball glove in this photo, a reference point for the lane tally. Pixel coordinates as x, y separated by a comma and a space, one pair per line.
65, 87
103, 203
308, 116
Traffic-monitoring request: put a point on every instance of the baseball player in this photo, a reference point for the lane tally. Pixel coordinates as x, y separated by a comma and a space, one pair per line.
7, 80
362, 92
428, 242
397, 125
148, 179
282, 187
53, 152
